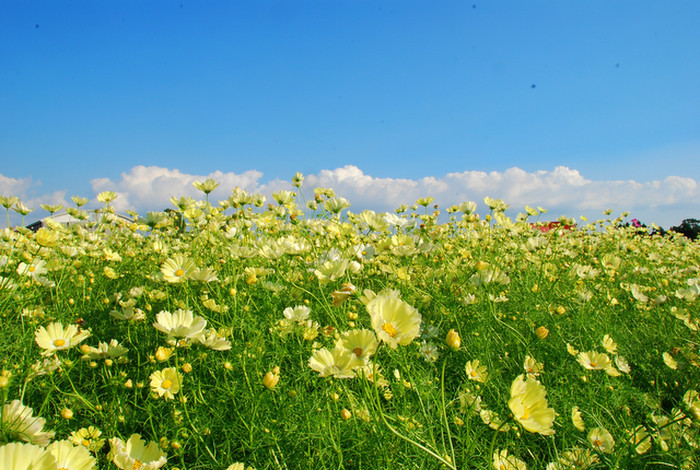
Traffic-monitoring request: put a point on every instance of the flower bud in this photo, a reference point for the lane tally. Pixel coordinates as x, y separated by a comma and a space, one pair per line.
541, 332
163, 354
453, 340
270, 380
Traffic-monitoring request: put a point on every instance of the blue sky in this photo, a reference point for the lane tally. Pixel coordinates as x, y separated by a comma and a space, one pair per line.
575, 106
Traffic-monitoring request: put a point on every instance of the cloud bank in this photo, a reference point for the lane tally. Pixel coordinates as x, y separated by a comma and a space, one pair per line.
563, 191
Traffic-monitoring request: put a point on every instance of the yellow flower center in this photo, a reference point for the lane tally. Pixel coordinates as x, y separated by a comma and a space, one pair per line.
85, 442
62, 468
32, 269
179, 272
473, 373
594, 364
389, 329
597, 443
137, 464
59, 343
166, 384
357, 351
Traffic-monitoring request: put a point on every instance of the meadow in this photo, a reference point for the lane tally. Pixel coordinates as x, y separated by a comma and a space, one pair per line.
295, 333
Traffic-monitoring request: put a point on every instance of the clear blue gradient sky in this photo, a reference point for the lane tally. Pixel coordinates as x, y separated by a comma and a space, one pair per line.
370, 91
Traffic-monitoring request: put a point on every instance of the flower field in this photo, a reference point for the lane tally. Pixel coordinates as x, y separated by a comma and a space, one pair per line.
295, 333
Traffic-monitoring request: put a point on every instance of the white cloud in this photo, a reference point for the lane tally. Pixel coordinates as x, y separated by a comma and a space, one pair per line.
151, 187
563, 191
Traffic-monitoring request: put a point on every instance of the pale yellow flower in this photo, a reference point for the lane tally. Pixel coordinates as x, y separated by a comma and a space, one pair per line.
594, 361
64, 455
640, 440
135, 454
207, 187
609, 344
106, 197
35, 269
577, 420
601, 440
503, 461
89, 437
394, 321
181, 324
576, 458
532, 367
361, 344
111, 350
691, 398
166, 382
476, 371
17, 422
56, 337
20, 456
177, 269
669, 361
528, 403
337, 363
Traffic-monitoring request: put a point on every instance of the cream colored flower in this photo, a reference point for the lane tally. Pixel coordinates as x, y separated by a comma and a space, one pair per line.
166, 382
56, 337
476, 371
135, 454
63, 454
577, 420
20, 456
640, 439
17, 422
528, 403
532, 367
113, 350
601, 440
89, 438
177, 269
336, 363
181, 324
503, 461
212, 340
669, 361
360, 344
394, 321
34, 270
609, 344
594, 361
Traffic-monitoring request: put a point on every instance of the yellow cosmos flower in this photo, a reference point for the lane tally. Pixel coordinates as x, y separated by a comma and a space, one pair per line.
577, 420
360, 344
56, 338
594, 361
529, 406
336, 363
134, 453
166, 382
181, 324
503, 461
601, 440
669, 361
177, 269
20, 456
394, 321
63, 454
17, 422
476, 371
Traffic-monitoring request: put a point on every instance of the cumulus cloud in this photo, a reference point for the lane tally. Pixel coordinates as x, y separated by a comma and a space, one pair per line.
563, 191
151, 187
